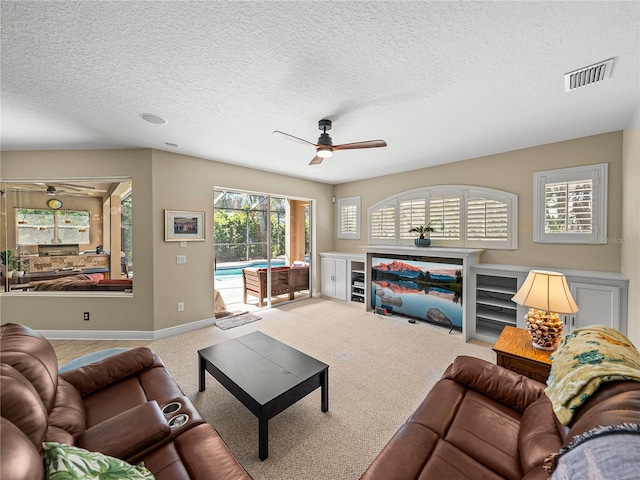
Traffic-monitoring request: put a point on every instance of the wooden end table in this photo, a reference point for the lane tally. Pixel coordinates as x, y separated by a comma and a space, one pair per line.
515, 351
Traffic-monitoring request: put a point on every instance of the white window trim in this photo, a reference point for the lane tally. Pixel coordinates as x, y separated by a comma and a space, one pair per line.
598, 174
464, 191
347, 202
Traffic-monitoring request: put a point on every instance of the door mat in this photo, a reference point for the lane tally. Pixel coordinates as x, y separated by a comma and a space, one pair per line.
237, 320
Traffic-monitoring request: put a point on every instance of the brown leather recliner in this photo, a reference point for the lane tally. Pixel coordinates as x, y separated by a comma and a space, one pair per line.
484, 422
114, 406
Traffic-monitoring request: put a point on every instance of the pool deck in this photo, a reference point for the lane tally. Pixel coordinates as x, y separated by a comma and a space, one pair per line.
231, 289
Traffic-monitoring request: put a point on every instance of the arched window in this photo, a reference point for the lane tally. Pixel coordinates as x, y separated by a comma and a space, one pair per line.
462, 215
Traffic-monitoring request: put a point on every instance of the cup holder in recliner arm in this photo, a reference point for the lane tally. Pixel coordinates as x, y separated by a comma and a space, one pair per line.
178, 420
171, 407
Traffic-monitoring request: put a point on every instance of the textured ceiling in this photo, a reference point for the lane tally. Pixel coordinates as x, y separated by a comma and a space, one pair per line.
439, 81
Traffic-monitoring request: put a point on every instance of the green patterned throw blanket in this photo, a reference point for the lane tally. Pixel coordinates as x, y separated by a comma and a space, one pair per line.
586, 358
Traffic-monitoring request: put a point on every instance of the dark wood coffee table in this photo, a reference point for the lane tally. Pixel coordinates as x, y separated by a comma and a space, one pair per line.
266, 375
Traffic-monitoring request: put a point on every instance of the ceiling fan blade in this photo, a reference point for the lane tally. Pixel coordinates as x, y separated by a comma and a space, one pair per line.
63, 188
292, 138
21, 186
316, 160
367, 144
70, 185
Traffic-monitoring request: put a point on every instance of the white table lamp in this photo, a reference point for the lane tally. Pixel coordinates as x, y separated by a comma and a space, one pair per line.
548, 295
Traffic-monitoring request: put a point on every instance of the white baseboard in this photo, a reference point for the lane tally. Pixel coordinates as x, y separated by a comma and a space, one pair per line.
187, 327
96, 334
126, 334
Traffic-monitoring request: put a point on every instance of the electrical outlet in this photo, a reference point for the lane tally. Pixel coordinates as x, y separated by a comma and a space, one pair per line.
86, 315
181, 307
181, 259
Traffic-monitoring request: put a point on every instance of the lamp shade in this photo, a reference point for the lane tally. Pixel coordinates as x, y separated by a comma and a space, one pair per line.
546, 291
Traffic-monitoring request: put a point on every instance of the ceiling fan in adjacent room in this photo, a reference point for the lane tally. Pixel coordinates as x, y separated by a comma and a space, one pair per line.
325, 147
52, 188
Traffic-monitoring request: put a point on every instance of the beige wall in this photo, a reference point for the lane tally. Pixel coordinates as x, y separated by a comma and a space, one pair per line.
630, 245
513, 172
60, 312
161, 181
186, 183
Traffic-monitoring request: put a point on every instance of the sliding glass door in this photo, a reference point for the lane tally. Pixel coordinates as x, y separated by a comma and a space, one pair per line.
261, 250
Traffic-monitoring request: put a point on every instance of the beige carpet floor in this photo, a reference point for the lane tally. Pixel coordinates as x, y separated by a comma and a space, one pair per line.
380, 370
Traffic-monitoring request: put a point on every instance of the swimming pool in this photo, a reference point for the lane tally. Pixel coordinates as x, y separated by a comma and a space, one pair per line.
236, 270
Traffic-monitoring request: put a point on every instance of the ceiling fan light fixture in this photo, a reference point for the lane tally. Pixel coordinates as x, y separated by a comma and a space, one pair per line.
324, 152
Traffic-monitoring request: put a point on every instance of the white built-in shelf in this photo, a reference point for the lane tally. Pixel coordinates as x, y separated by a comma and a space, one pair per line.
496, 316
496, 302
496, 289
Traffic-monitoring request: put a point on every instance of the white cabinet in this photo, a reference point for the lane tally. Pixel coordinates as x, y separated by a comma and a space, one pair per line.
334, 277
601, 298
342, 276
598, 305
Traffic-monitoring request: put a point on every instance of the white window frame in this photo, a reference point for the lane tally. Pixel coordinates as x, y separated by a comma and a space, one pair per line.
349, 202
464, 192
598, 174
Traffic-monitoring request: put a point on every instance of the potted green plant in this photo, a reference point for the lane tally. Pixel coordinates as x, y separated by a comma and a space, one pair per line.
9, 261
423, 230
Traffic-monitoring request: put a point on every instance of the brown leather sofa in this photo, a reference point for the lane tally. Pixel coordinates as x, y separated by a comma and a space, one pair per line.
482, 421
115, 406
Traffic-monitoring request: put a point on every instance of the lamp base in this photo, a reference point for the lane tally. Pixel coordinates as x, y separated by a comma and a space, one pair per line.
542, 347
545, 329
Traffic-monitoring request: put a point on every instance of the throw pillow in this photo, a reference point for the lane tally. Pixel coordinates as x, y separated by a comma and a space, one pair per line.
64, 462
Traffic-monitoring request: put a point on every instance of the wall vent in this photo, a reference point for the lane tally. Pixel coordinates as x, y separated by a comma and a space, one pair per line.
588, 75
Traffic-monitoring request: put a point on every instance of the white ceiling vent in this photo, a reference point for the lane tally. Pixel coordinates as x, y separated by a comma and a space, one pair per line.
588, 75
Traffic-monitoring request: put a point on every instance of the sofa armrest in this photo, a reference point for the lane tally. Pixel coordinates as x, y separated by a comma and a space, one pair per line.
93, 377
127, 433
507, 387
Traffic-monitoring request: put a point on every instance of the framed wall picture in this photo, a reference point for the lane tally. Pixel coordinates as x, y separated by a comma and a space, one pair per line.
182, 226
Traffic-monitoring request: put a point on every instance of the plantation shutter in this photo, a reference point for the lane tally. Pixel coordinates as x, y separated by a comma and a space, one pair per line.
383, 223
349, 218
460, 215
487, 220
444, 215
568, 207
413, 213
